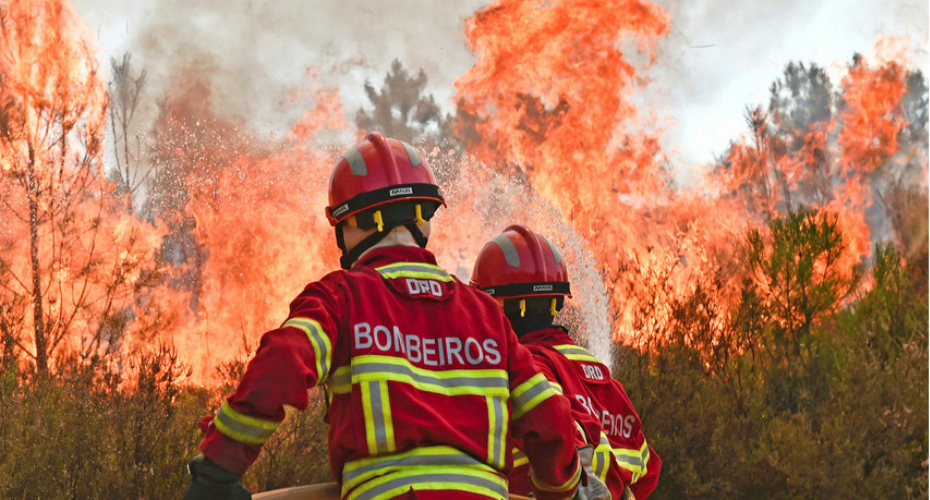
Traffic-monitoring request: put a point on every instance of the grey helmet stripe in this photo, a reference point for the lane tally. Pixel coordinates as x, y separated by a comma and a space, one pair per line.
555, 251
356, 161
412, 153
509, 249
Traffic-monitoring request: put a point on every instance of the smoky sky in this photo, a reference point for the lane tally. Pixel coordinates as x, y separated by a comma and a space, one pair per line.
254, 51
721, 55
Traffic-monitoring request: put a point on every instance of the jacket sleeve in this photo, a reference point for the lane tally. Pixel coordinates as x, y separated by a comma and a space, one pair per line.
646, 483
290, 360
640, 466
580, 421
542, 421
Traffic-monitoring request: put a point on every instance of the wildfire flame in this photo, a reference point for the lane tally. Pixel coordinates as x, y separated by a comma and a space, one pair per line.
553, 137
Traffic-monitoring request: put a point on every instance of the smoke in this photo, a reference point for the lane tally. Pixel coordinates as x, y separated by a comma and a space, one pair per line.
723, 55
254, 52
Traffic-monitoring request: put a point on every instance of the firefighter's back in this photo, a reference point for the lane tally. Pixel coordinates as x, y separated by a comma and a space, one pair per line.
420, 387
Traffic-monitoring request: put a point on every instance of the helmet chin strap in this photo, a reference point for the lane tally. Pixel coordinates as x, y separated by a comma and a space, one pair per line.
349, 257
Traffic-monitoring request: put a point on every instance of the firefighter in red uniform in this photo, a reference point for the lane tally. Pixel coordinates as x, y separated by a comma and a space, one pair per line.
427, 381
525, 273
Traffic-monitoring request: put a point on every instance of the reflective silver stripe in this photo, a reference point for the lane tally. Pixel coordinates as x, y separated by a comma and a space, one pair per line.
356, 161
499, 434
341, 381
523, 402
519, 458
394, 271
412, 153
555, 251
320, 344
411, 480
444, 383
448, 457
602, 456
510, 250
601, 463
630, 460
572, 349
378, 418
577, 353
231, 424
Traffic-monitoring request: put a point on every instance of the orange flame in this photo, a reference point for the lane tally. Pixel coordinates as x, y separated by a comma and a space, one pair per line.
549, 105
73, 260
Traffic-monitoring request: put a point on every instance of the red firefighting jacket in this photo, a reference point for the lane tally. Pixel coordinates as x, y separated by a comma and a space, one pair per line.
427, 386
603, 413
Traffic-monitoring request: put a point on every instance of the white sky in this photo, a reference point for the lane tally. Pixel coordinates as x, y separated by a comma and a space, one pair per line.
721, 56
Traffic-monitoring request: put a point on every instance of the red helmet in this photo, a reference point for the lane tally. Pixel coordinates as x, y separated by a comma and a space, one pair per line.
519, 263
375, 172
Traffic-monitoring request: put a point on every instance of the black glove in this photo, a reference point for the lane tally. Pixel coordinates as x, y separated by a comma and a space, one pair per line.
590, 487
212, 482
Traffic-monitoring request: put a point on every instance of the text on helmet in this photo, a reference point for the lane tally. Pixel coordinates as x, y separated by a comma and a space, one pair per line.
340, 210
400, 191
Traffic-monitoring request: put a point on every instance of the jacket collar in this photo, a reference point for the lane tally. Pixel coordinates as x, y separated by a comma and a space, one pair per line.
554, 335
383, 256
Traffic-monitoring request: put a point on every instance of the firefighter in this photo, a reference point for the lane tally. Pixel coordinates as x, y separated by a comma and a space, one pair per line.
426, 381
527, 275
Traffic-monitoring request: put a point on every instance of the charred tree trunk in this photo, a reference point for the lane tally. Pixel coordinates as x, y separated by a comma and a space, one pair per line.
32, 190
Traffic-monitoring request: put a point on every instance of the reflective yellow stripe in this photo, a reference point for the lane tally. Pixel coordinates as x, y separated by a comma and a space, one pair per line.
321, 344
529, 394
427, 477
602, 456
567, 486
633, 460
556, 387
388, 419
243, 428
358, 471
519, 458
576, 353
414, 270
497, 431
341, 381
486, 382
379, 428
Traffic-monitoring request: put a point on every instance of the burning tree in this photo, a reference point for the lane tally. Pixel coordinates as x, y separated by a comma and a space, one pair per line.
71, 260
401, 110
125, 94
856, 150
